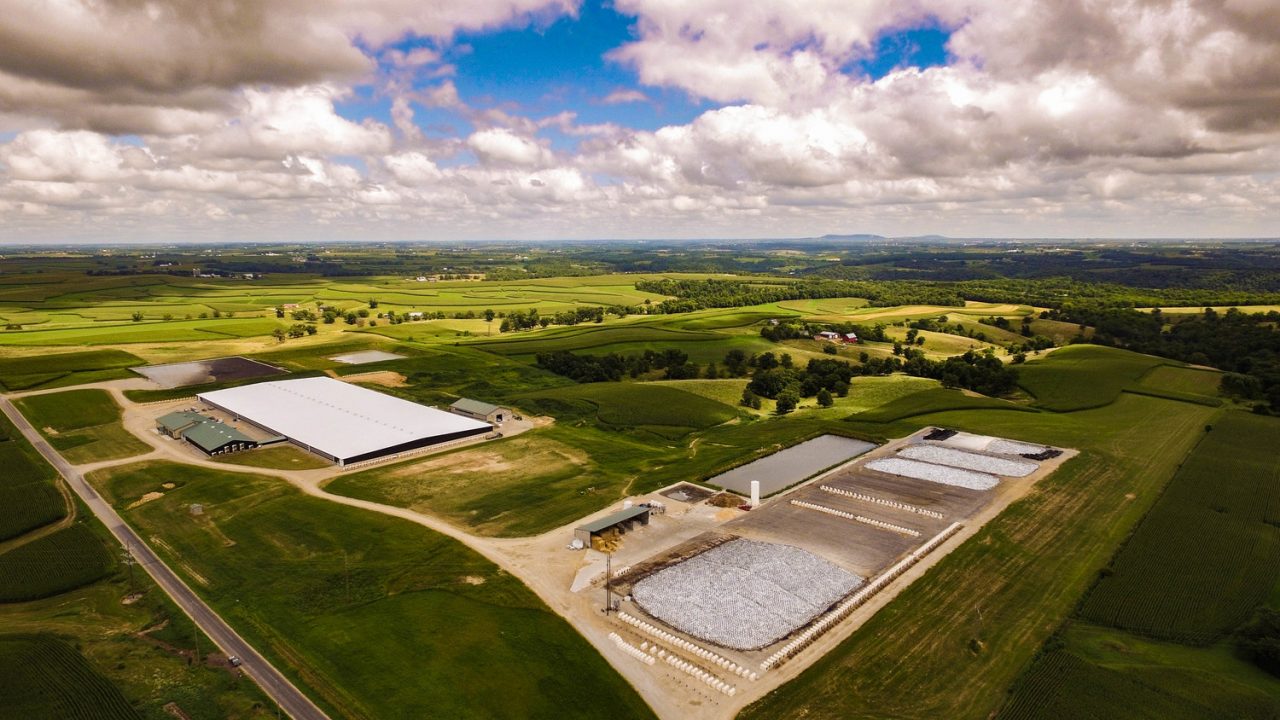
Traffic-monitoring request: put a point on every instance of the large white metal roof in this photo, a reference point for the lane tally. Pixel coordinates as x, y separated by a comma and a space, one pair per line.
337, 418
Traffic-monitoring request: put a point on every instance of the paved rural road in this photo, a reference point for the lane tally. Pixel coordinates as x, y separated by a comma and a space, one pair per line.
276, 685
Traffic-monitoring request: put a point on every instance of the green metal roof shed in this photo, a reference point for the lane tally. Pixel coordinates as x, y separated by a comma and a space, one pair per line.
637, 513
213, 437
176, 421
474, 407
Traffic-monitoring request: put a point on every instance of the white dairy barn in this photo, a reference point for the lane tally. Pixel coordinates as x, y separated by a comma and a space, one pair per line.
343, 422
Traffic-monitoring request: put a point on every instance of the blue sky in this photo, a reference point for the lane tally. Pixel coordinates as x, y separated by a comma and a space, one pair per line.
548, 66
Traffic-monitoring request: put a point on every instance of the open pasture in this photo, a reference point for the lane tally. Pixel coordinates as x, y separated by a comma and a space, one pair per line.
1188, 380
533, 482
930, 400
659, 408
597, 339
376, 617
84, 425
45, 677
1205, 556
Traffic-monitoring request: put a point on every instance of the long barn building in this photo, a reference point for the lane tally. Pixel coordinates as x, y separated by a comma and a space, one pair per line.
340, 421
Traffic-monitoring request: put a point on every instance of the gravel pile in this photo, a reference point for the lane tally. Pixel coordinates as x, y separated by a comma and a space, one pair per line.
744, 594
934, 473
968, 460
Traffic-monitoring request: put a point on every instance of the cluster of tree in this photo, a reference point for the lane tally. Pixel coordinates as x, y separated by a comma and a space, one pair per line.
613, 366
526, 320
1259, 640
699, 294
777, 377
1246, 346
296, 330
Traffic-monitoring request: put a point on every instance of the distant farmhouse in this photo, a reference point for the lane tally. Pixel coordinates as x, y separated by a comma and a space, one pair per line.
835, 337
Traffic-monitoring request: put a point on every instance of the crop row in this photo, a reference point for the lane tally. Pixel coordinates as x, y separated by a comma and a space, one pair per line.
58, 562
1205, 555
60, 683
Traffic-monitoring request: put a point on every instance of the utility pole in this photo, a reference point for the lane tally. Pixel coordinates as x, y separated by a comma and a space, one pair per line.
127, 558
608, 580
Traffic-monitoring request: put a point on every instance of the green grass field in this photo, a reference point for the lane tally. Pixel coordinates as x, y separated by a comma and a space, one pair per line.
1205, 556
84, 425
1105, 673
45, 677
48, 371
552, 475
1189, 380
951, 645
659, 408
277, 457
931, 400
384, 618
1078, 377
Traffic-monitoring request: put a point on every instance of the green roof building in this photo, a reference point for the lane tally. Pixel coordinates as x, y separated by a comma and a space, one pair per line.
216, 438
204, 432
175, 422
492, 414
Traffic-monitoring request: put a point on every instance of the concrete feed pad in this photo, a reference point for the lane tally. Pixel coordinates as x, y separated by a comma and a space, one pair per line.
199, 372
795, 464
862, 548
366, 356
969, 460
858, 547
955, 503
744, 594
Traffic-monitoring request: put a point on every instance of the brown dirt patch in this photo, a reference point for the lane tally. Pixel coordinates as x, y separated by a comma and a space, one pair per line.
385, 378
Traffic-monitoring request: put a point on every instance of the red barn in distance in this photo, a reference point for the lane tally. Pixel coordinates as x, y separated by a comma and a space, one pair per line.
835, 337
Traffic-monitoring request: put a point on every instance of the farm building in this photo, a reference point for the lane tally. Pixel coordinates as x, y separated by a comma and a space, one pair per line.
216, 438
835, 337
342, 422
175, 422
487, 412
211, 436
621, 519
